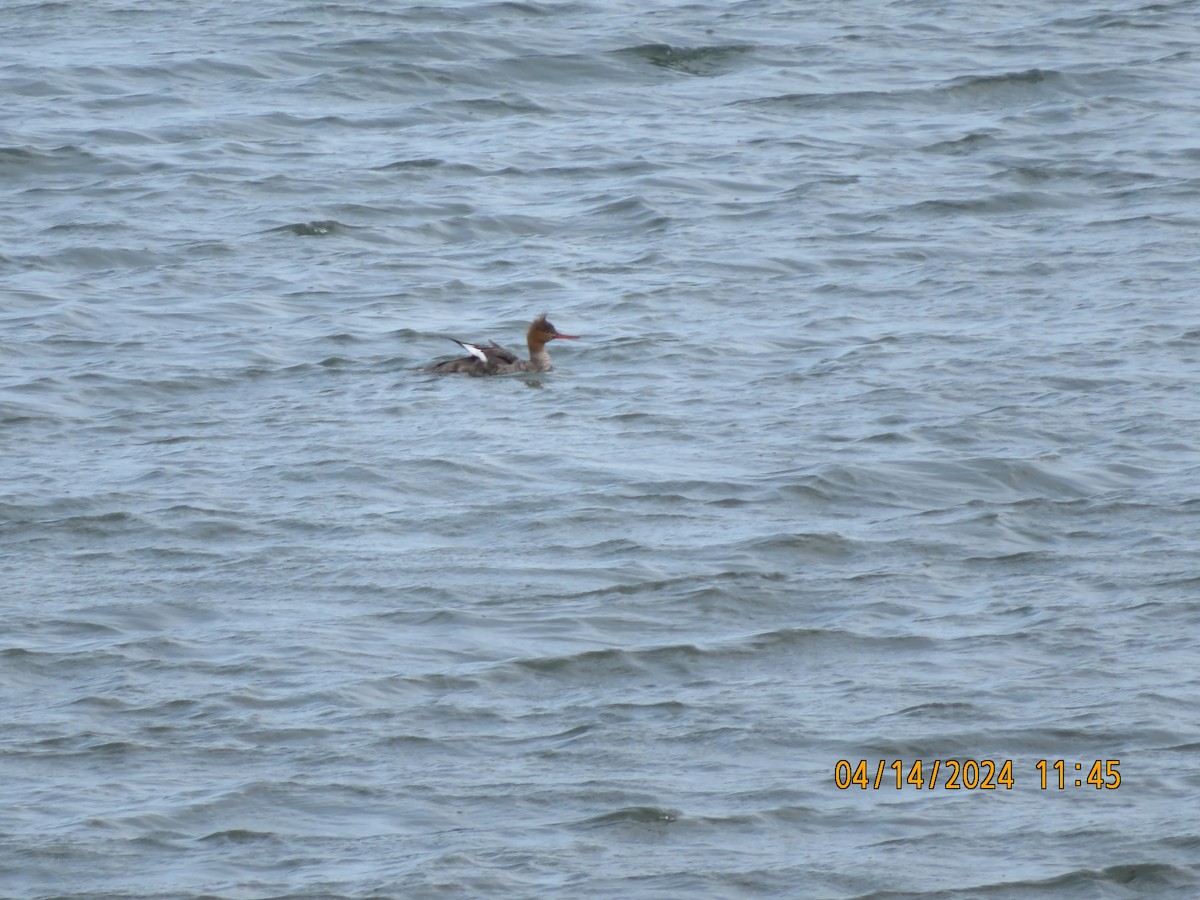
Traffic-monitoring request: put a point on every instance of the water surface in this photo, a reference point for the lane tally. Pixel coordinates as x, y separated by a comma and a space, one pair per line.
880, 445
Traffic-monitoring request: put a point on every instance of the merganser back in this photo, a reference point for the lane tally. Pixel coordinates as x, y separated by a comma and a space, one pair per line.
496, 360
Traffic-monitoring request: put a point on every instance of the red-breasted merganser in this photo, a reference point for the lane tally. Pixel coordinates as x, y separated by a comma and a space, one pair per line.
496, 360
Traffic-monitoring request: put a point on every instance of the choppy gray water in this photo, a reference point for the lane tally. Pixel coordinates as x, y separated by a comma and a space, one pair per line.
881, 445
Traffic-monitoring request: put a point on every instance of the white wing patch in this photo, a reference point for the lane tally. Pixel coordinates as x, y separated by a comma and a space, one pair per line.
473, 350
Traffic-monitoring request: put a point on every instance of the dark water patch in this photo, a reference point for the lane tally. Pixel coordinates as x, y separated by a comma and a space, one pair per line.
630, 210
732, 585
240, 836
462, 229
791, 639
1018, 90
39, 163
427, 163
690, 660
1088, 23
938, 711
92, 259
1128, 880
322, 228
966, 145
796, 547
232, 73
486, 108
708, 61
635, 817
1009, 203
611, 663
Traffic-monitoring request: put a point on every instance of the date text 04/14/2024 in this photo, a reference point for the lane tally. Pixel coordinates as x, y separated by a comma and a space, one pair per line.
973, 775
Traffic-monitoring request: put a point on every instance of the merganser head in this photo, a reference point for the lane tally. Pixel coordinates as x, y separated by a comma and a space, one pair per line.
541, 331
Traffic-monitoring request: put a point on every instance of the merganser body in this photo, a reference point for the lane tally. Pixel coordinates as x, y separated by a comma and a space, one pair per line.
492, 359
